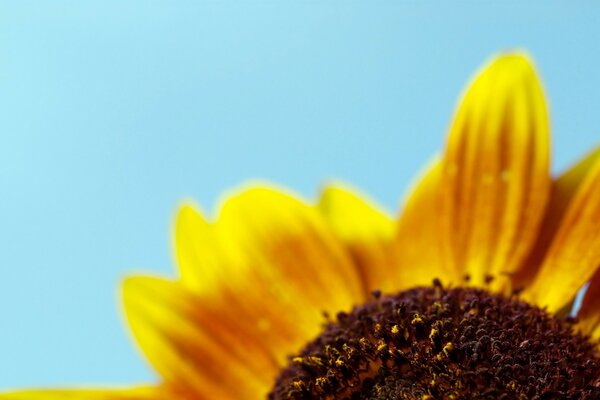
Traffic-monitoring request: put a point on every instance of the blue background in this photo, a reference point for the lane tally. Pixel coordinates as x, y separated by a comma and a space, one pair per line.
111, 113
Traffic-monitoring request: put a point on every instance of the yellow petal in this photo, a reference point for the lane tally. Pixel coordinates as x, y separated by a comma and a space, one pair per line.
283, 256
196, 250
589, 314
286, 248
562, 193
266, 227
495, 171
267, 269
417, 248
595, 334
365, 231
214, 265
189, 345
574, 253
145, 393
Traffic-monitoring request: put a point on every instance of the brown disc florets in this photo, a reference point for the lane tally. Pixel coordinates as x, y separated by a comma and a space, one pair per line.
440, 343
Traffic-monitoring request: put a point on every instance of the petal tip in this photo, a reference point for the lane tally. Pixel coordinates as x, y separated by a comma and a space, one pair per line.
517, 64
514, 58
187, 212
129, 286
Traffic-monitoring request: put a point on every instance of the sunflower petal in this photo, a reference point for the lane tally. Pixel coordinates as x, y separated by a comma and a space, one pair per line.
496, 171
188, 344
142, 393
562, 193
198, 259
282, 248
365, 231
589, 314
267, 269
574, 254
288, 243
417, 247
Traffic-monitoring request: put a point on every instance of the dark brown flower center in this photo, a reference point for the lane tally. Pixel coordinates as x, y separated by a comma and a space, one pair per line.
442, 343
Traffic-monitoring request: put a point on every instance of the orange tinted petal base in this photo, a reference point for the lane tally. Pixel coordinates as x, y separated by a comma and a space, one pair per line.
254, 286
189, 345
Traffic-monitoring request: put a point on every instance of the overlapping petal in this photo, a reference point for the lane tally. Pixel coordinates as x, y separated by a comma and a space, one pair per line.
366, 232
563, 190
589, 314
267, 270
573, 254
418, 241
190, 344
280, 240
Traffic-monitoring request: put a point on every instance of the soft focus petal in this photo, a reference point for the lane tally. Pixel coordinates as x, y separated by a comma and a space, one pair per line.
589, 314
275, 227
281, 251
496, 171
218, 265
574, 253
189, 345
269, 267
563, 191
417, 248
196, 250
365, 231
146, 393
263, 227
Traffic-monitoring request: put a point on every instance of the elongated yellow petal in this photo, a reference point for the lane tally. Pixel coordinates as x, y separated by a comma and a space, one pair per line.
365, 231
188, 344
563, 190
145, 393
496, 171
417, 247
574, 253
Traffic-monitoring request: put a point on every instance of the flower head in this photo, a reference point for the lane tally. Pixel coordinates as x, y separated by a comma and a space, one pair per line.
462, 296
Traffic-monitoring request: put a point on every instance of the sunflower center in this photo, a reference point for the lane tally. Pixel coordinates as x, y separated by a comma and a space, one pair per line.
444, 343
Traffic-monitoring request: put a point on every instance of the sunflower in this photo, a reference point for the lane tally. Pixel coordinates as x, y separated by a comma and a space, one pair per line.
467, 294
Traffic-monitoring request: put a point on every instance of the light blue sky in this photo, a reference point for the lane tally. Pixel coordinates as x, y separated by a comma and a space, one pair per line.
112, 112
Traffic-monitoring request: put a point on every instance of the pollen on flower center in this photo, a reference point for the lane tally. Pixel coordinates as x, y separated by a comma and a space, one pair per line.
444, 343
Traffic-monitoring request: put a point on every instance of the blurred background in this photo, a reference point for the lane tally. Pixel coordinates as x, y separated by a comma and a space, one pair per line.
111, 112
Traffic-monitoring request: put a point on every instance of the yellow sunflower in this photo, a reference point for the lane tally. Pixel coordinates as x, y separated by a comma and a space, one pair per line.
463, 296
